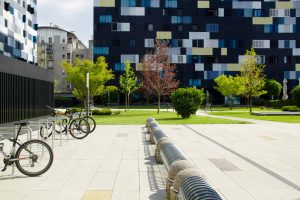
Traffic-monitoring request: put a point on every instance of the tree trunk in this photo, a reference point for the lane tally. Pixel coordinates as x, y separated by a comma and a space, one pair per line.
128, 98
147, 98
125, 101
250, 102
158, 104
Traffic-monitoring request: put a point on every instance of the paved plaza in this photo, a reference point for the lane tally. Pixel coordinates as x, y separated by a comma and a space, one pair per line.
247, 161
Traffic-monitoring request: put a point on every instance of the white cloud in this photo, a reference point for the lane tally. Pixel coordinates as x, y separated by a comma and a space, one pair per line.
72, 15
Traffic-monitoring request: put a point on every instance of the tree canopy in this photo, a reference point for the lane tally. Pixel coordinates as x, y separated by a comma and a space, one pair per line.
99, 76
128, 82
252, 73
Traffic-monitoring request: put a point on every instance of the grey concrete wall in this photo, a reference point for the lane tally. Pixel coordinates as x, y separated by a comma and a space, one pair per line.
17, 67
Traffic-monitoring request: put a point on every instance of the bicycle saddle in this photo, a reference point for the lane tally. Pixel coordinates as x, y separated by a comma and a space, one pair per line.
22, 123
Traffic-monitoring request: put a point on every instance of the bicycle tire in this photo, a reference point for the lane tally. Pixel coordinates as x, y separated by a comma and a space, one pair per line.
41, 145
43, 132
79, 128
64, 126
91, 122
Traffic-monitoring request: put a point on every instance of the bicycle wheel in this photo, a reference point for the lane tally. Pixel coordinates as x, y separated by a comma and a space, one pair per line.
64, 124
79, 128
46, 130
34, 158
91, 122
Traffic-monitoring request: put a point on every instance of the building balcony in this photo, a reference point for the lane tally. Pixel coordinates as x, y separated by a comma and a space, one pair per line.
49, 49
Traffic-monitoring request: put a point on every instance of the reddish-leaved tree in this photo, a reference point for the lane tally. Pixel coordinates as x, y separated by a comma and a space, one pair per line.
158, 73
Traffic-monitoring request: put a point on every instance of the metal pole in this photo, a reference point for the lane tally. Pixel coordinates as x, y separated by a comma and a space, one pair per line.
88, 93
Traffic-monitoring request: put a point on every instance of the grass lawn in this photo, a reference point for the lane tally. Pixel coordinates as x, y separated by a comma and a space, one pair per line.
288, 119
136, 117
244, 109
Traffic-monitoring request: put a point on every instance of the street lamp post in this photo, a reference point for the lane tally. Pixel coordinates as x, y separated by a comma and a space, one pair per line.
88, 93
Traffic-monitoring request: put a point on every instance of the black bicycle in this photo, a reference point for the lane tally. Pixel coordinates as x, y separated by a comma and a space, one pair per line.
78, 128
32, 158
90, 119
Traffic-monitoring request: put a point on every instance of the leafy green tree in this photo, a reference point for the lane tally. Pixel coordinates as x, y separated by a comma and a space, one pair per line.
252, 73
273, 88
186, 101
99, 76
230, 87
296, 95
128, 83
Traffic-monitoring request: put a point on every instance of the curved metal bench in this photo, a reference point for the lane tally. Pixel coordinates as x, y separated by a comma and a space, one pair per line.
170, 153
196, 188
157, 135
148, 121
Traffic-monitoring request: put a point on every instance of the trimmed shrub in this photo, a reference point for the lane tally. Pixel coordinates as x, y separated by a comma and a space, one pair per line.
291, 108
278, 104
296, 95
186, 101
116, 112
102, 112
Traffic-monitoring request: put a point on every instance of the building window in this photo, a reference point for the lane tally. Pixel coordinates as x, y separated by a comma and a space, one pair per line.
50, 39
171, 3
63, 56
132, 43
6, 23
116, 43
287, 59
214, 28
150, 27
105, 19
101, 50
180, 28
128, 3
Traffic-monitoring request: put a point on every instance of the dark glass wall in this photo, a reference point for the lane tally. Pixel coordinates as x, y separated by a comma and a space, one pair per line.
23, 98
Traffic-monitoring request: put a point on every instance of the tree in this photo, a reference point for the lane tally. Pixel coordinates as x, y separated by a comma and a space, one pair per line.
128, 83
186, 101
273, 88
158, 73
99, 76
230, 87
252, 73
296, 95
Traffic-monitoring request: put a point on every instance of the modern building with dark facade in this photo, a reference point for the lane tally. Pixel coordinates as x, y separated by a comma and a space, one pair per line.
25, 88
207, 38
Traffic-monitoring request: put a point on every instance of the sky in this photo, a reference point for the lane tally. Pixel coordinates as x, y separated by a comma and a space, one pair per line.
71, 15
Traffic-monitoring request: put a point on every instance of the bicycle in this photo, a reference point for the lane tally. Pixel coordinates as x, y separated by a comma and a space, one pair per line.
78, 128
90, 119
34, 155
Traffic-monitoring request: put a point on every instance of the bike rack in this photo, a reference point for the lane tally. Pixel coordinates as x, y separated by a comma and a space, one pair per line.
14, 131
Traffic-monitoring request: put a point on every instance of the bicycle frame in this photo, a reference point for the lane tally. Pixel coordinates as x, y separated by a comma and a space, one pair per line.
10, 157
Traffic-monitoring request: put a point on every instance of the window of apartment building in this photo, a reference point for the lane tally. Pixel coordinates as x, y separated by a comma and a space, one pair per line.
261, 59
82, 56
213, 28
64, 40
5, 23
116, 43
29, 23
50, 40
132, 43
273, 59
180, 28
195, 27
64, 48
24, 4
63, 56
68, 55
150, 27
212, 12
287, 59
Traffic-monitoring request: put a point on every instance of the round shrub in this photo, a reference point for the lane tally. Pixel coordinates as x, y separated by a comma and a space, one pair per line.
186, 101
296, 95
273, 88
291, 108
102, 112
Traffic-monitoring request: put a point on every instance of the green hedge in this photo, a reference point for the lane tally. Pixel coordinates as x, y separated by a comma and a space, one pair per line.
102, 112
296, 95
291, 108
278, 104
